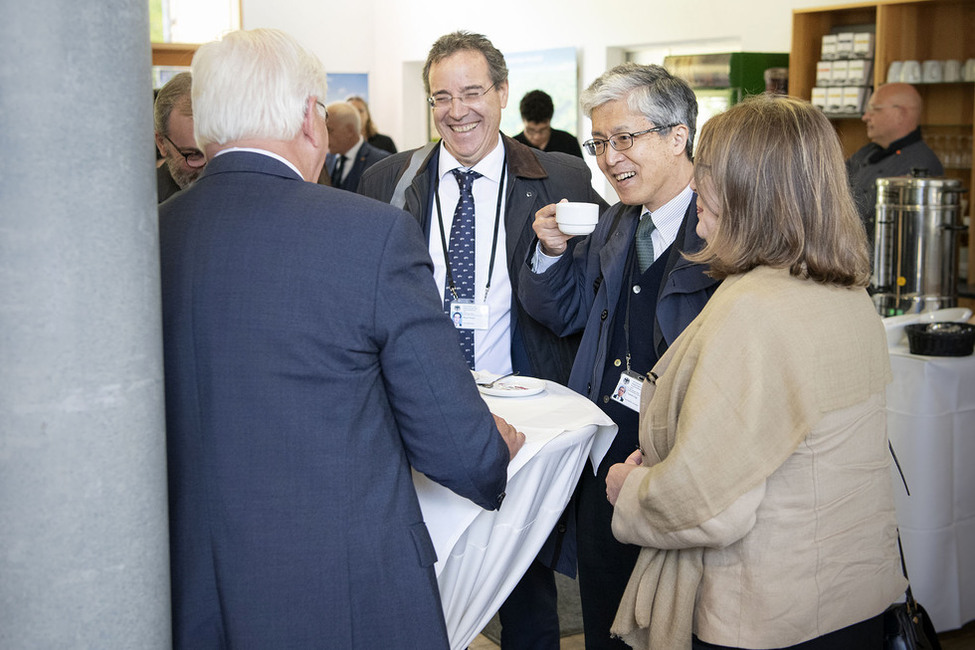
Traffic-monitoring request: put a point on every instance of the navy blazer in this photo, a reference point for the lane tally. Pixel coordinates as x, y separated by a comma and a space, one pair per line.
305, 377
367, 156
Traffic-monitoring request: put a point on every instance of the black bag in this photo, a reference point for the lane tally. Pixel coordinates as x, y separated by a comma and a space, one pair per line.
908, 627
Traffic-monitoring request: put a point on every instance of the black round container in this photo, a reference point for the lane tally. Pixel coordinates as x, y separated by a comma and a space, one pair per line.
941, 339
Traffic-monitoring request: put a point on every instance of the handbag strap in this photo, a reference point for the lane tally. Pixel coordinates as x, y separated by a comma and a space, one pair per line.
911, 603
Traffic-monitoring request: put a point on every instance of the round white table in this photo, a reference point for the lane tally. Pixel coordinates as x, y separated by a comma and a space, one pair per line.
483, 554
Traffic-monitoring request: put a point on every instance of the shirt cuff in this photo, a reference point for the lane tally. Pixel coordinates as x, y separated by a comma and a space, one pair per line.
542, 262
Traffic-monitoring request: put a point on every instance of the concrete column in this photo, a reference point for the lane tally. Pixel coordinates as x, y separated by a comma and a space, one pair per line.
83, 528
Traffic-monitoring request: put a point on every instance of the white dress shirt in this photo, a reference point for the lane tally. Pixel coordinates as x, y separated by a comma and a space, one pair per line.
492, 347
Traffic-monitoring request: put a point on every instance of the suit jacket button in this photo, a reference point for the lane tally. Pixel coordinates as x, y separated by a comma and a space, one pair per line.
605, 399
501, 498
603, 315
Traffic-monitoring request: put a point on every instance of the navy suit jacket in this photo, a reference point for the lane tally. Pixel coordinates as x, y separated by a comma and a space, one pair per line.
305, 375
367, 156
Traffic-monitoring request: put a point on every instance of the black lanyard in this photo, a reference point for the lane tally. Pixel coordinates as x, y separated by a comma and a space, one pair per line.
497, 226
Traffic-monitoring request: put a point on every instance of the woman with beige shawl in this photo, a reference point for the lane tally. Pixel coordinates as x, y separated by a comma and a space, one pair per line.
761, 492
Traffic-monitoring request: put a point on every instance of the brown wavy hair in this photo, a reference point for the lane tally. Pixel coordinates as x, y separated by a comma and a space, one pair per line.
773, 167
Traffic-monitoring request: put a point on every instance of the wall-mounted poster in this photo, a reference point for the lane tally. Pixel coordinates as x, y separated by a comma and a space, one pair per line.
554, 71
341, 85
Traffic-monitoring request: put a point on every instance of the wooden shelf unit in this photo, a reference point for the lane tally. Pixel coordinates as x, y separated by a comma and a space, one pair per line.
905, 30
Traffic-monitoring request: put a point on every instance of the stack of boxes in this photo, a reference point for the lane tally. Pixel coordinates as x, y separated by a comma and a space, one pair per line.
844, 74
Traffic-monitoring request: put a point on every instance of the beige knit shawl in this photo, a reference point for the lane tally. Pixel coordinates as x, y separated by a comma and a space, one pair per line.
737, 392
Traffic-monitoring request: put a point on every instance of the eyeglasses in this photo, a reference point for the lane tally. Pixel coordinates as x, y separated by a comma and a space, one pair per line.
322, 106
620, 141
193, 158
471, 97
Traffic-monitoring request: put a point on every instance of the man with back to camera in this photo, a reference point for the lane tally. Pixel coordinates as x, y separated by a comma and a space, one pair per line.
304, 379
536, 114
627, 288
349, 153
173, 122
895, 148
467, 81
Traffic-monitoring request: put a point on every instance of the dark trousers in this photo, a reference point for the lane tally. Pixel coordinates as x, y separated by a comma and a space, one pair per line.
530, 616
865, 635
605, 564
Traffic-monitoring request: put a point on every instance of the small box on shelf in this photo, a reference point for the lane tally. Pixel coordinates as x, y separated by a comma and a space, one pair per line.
840, 72
819, 98
844, 45
834, 100
824, 74
863, 45
860, 72
828, 52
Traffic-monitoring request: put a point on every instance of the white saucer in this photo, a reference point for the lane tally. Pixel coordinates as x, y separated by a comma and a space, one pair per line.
514, 387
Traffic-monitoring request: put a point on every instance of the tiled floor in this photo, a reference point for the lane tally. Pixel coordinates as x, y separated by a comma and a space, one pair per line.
963, 639
577, 642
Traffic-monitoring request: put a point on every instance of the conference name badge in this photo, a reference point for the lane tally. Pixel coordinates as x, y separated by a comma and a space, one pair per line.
470, 316
627, 391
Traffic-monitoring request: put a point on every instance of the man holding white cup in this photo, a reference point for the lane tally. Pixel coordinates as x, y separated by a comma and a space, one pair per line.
626, 287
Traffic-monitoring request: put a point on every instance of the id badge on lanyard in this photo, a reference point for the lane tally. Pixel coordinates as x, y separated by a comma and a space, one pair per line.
628, 389
468, 315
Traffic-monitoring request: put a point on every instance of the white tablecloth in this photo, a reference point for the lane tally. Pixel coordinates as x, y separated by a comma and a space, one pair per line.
483, 554
931, 424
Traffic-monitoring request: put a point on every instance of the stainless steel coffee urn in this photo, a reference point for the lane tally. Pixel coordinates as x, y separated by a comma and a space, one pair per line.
915, 243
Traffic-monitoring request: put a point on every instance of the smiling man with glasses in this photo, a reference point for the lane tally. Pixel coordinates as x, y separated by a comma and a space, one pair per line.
173, 117
475, 195
627, 288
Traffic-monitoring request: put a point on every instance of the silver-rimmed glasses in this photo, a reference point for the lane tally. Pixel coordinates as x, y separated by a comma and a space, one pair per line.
620, 141
469, 98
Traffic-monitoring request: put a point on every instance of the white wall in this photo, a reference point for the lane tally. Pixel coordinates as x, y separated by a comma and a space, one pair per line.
386, 37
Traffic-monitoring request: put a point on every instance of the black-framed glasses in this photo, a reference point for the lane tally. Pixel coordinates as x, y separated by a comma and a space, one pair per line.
322, 106
193, 158
471, 97
620, 141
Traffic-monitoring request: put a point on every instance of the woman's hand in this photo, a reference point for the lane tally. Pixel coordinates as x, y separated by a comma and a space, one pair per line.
618, 473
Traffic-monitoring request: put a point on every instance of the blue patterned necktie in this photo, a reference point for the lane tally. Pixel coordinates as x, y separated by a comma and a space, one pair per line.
337, 172
644, 243
460, 253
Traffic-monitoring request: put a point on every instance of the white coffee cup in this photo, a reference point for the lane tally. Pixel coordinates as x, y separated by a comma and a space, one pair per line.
932, 71
968, 72
894, 71
576, 218
911, 72
952, 70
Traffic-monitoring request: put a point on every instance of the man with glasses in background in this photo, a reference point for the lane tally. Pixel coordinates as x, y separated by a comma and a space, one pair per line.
895, 148
475, 194
173, 118
627, 288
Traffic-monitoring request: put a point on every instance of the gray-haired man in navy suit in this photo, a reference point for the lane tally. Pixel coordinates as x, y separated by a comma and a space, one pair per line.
349, 153
305, 376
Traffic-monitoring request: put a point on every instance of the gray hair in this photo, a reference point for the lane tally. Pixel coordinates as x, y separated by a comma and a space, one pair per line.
174, 95
649, 90
343, 114
459, 41
253, 84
